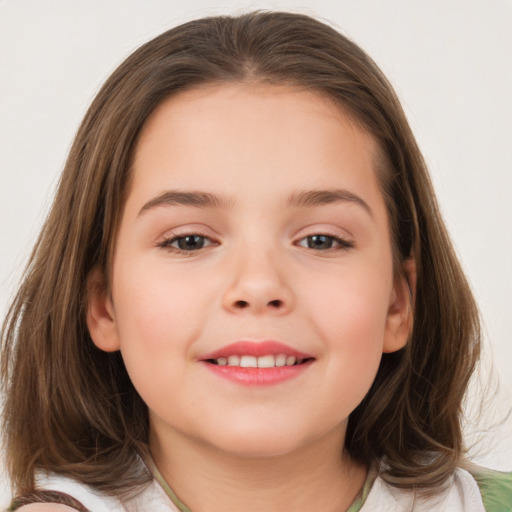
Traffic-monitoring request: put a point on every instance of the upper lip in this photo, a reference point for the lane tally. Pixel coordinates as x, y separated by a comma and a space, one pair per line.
256, 349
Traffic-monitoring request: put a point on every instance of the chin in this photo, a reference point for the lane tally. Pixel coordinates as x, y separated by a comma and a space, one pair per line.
259, 442
261, 450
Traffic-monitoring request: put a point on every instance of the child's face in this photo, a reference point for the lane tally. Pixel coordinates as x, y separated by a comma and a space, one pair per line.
227, 237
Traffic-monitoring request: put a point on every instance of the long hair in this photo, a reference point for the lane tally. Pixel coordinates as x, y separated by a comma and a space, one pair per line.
71, 408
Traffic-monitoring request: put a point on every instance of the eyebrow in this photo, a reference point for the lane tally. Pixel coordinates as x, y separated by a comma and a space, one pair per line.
301, 199
182, 198
311, 198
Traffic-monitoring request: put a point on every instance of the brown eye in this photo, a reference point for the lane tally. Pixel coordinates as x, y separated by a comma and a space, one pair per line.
190, 242
187, 243
320, 242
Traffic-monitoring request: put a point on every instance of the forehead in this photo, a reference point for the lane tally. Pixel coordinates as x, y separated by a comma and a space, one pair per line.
241, 138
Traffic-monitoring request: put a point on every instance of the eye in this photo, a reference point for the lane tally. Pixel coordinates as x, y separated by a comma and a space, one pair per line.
187, 243
322, 242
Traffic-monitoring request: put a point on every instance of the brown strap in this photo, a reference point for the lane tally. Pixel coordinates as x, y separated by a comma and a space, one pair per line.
46, 497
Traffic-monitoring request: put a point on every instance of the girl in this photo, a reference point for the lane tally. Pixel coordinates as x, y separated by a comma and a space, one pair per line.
244, 296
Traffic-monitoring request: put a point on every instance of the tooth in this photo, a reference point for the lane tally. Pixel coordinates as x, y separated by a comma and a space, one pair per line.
222, 361
233, 361
280, 360
266, 361
248, 362
290, 360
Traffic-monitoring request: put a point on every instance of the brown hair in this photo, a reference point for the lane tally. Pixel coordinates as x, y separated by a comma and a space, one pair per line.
71, 408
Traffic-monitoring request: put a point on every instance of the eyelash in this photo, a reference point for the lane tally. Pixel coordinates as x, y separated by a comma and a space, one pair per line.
342, 244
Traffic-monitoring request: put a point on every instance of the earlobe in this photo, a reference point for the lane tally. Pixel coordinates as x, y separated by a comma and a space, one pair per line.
100, 315
401, 309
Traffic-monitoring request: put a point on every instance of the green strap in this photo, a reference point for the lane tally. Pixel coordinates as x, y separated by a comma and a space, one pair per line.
148, 460
496, 489
360, 500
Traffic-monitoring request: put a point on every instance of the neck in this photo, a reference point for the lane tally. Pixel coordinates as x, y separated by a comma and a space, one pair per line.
320, 475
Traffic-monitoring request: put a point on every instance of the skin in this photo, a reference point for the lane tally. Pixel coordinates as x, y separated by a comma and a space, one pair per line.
221, 445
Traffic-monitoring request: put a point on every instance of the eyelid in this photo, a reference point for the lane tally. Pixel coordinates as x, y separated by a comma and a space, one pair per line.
187, 230
324, 229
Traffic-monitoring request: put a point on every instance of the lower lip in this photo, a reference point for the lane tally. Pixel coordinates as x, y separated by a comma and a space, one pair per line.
258, 376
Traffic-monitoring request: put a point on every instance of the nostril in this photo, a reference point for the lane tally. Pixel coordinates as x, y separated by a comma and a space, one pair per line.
243, 304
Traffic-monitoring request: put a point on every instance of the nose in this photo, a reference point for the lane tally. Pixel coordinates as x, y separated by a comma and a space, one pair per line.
258, 285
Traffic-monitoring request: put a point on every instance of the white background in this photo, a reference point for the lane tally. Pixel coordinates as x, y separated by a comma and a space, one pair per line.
449, 60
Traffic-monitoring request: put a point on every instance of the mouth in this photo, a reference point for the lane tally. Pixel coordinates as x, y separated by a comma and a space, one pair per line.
257, 363
266, 361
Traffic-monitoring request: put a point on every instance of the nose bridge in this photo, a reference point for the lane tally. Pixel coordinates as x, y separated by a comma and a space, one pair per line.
258, 281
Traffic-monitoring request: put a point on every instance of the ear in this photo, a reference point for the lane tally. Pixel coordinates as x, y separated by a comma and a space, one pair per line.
399, 322
100, 316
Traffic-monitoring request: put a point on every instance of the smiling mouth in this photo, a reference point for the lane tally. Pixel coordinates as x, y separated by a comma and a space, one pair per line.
256, 364
260, 363
265, 361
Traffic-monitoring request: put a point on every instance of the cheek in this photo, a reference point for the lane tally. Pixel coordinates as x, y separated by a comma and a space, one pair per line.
353, 300
156, 306
158, 317
350, 314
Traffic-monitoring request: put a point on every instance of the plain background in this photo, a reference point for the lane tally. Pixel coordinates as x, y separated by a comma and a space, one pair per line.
449, 60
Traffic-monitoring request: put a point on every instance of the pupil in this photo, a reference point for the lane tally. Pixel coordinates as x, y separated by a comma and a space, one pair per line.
319, 242
191, 242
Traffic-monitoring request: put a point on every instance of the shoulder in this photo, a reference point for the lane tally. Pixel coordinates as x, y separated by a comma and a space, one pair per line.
46, 507
462, 493
62, 494
56, 493
495, 487
76, 494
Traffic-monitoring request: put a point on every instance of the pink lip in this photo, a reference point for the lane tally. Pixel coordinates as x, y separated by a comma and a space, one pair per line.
255, 349
257, 376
